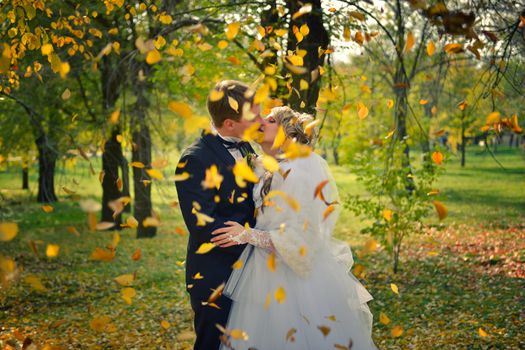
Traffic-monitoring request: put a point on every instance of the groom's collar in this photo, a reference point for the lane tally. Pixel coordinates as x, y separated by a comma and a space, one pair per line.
213, 142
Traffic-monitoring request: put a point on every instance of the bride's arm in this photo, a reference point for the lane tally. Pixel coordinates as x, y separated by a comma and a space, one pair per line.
234, 234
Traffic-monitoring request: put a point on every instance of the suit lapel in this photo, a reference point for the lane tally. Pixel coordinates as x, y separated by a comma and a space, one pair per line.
218, 148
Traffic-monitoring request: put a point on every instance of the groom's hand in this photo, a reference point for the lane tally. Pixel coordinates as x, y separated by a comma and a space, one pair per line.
233, 234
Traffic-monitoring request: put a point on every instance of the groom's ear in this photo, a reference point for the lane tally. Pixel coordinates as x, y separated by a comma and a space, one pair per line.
228, 124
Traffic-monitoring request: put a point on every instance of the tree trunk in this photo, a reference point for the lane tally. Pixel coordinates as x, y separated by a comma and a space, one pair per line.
141, 153
46, 170
463, 141
305, 100
25, 177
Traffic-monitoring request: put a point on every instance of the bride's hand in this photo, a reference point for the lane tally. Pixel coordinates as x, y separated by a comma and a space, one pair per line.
230, 235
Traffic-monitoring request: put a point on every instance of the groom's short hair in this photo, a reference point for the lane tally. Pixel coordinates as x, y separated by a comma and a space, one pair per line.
221, 107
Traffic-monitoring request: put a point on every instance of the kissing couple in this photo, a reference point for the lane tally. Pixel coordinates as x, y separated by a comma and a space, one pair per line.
275, 277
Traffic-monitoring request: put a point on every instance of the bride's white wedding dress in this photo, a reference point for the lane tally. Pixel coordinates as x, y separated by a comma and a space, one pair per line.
309, 299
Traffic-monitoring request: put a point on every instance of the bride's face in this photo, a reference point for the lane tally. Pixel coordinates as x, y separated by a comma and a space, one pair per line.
269, 128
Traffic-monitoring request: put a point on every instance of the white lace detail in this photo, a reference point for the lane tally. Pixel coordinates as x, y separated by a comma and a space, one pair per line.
258, 238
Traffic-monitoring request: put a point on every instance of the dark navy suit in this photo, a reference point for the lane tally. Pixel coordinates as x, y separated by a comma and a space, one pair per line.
215, 266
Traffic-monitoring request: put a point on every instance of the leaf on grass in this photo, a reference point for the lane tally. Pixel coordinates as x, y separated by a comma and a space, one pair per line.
8, 231
165, 324
52, 250
35, 283
125, 280
101, 254
396, 331
99, 323
136, 255
394, 288
47, 209
384, 318
482, 333
128, 294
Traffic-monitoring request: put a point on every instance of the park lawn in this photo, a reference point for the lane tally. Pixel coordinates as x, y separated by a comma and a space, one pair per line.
462, 275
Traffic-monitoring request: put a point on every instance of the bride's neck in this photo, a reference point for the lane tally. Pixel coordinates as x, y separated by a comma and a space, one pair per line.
267, 148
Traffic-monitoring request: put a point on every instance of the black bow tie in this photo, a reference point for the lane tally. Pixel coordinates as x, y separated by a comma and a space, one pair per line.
243, 146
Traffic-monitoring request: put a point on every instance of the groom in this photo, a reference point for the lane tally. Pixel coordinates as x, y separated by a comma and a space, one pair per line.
205, 272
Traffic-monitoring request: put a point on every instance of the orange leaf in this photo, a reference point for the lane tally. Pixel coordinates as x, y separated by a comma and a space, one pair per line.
437, 157
441, 210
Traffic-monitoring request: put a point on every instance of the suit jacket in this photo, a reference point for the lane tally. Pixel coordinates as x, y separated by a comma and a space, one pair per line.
229, 202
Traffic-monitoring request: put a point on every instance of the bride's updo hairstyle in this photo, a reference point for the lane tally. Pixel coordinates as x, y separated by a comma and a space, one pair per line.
293, 124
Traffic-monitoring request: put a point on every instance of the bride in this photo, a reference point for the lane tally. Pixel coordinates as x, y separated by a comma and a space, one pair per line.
294, 289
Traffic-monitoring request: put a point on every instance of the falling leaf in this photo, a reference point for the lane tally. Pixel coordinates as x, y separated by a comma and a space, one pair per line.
431, 48
52, 250
180, 108
362, 110
243, 172
237, 265
280, 295
302, 11
329, 210
66, 94
294, 204
324, 329
271, 262
232, 30
181, 177
139, 165
410, 42
270, 163
441, 210
155, 174
238, 334
205, 248
8, 231
357, 15
383, 318
437, 157
213, 179
482, 333
279, 138
423, 102
390, 104
47, 208
387, 214
394, 288
453, 48
396, 331
73, 230
153, 57
198, 276
128, 294
104, 225
125, 280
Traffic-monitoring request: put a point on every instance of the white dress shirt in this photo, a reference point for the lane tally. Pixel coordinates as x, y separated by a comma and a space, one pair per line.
233, 151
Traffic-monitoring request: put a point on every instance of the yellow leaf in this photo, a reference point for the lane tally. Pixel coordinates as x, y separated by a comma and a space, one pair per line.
232, 30
215, 95
66, 94
181, 177
290, 334
151, 222
280, 32
237, 265
52, 250
279, 138
294, 204
8, 231
431, 48
153, 57
267, 301
198, 276
437, 157
165, 324
387, 214
362, 110
155, 174
165, 18
394, 288
324, 329
243, 173
213, 179
159, 42
262, 94
102, 254
390, 104
482, 333
205, 248
383, 318
270, 163
46, 49
181, 108
280, 295
303, 85
302, 11
347, 35
233, 104
128, 294
329, 210
104, 225
238, 334
423, 102
370, 246
99, 323
357, 15
7, 265
396, 331
453, 48
493, 118
410, 42
271, 262
35, 283
441, 210
137, 164
47, 208
125, 280
222, 44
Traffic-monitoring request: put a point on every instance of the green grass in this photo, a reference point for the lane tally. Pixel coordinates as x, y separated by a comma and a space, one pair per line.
446, 294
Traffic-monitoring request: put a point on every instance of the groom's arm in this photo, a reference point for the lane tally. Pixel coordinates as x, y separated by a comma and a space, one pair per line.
190, 191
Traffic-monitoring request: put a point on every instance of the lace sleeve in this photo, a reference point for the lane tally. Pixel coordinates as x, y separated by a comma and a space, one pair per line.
255, 237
